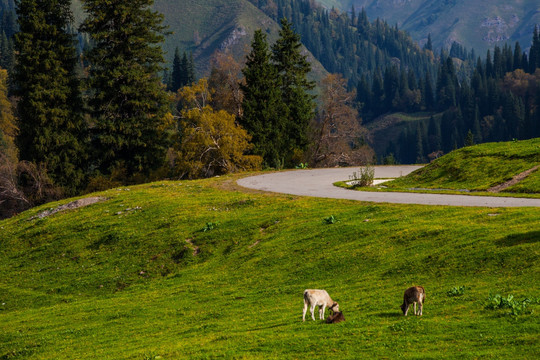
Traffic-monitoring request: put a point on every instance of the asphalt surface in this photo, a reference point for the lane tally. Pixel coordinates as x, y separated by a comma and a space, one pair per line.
319, 183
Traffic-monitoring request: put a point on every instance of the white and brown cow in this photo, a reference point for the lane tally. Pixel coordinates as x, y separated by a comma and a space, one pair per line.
318, 298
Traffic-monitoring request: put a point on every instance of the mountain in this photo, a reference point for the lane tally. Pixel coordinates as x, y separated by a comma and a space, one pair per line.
205, 26
479, 24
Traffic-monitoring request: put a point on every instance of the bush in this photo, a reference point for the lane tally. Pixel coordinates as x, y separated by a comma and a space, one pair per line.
330, 220
456, 291
495, 302
364, 177
24, 185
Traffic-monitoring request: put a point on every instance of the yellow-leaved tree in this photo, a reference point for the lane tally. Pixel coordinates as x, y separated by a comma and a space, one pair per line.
210, 142
8, 128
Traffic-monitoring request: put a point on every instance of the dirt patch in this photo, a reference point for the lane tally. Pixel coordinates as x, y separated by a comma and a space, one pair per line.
516, 179
196, 250
69, 206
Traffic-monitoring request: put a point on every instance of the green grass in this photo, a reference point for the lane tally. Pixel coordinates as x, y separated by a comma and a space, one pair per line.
104, 282
479, 168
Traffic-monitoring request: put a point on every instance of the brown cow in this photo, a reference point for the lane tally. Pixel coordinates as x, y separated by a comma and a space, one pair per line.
335, 318
413, 295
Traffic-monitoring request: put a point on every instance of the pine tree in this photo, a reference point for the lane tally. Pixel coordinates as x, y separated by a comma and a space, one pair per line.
429, 44
263, 109
51, 128
534, 52
190, 70
129, 104
176, 75
517, 56
292, 68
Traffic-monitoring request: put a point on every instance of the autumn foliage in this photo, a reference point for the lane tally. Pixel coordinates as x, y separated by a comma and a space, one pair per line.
211, 142
338, 138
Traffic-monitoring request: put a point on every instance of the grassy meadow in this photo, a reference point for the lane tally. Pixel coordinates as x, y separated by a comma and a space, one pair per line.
203, 270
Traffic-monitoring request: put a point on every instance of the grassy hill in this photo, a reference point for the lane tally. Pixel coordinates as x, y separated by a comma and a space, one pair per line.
479, 168
200, 269
479, 24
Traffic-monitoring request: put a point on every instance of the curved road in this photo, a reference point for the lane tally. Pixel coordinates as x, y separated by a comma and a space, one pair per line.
318, 183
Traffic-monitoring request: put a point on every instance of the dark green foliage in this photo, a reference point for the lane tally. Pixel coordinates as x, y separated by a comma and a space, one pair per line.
176, 72
128, 102
183, 71
534, 52
292, 70
456, 291
52, 130
517, 307
349, 45
263, 108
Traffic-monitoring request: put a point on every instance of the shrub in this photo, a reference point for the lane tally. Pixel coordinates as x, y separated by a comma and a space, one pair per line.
364, 177
456, 291
210, 226
495, 302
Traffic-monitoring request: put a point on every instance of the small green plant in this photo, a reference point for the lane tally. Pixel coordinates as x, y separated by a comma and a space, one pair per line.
364, 177
456, 291
151, 356
517, 307
210, 226
302, 166
330, 220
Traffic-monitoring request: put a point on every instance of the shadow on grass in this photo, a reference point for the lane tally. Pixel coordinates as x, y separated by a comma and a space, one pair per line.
270, 326
393, 314
518, 239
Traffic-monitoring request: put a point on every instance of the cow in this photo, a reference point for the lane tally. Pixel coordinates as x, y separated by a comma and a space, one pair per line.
318, 298
414, 294
335, 318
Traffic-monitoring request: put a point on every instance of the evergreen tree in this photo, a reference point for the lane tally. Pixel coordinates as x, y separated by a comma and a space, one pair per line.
176, 74
51, 128
292, 68
517, 57
429, 96
429, 44
534, 52
129, 104
190, 70
263, 108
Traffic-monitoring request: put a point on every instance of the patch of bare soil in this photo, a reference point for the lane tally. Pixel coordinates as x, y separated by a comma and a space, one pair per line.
195, 248
69, 206
516, 179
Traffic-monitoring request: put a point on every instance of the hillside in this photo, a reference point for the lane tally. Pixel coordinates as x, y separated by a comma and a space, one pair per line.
199, 269
203, 27
480, 168
387, 130
478, 24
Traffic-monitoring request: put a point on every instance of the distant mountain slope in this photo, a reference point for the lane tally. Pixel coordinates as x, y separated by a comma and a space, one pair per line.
204, 26
480, 24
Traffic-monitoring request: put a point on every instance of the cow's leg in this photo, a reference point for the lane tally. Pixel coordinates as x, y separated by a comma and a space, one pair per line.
421, 305
415, 308
407, 309
312, 310
321, 312
304, 312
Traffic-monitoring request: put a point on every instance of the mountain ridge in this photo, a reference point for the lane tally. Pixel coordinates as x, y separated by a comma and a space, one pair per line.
478, 24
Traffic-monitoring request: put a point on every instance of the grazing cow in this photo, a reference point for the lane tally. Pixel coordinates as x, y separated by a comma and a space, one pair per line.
415, 294
335, 318
321, 299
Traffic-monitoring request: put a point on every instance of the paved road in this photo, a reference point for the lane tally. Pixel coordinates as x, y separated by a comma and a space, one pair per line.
318, 183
